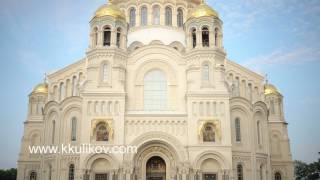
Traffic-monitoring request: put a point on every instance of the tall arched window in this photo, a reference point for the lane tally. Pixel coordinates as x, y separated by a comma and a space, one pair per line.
168, 14
194, 37
132, 17
216, 36
238, 129
272, 107
53, 131
144, 16
156, 15
208, 133
180, 17
105, 72
155, 91
71, 172
95, 36
205, 37
277, 176
73, 129
205, 72
62, 91
107, 36
118, 37
261, 172
259, 132
102, 133
74, 86
239, 172
33, 175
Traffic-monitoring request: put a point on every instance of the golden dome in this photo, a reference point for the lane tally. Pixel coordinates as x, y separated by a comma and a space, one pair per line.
41, 88
202, 10
270, 89
110, 10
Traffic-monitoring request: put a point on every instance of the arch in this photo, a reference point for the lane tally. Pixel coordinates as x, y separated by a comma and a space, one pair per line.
156, 15
132, 17
278, 175
205, 36
168, 16
193, 33
105, 70
238, 129
216, 37
33, 175
240, 172
211, 155
169, 141
177, 45
135, 45
154, 64
156, 167
91, 159
107, 36
180, 18
206, 72
71, 174
95, 36
144, 15
119, 37
155, 90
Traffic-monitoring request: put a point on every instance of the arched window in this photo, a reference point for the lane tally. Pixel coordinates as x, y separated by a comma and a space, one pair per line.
53, 131
95, 36
238, 129
261, 172
107, 36
71, 172
74, 86
105, 72
205, 72
156, 15
102, 133
216, 36
73, 129
180, 17
208, 133
205, 37
155, 91
62, 91
259, 132
194, 37
144, 16
132, 17
239, 172
272, 107
33, 175
168, 16
118, 37
277, 176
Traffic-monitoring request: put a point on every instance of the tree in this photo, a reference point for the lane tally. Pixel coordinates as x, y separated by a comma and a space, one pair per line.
304, 171
8, 174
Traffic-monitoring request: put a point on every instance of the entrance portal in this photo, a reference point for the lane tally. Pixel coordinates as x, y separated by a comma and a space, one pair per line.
156, 168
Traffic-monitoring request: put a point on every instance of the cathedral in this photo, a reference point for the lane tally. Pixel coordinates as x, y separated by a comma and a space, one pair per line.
156, 76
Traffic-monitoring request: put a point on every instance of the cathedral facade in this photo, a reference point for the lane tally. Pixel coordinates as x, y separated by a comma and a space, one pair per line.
156, 76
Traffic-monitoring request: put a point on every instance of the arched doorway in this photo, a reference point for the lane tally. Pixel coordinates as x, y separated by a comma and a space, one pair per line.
156, 168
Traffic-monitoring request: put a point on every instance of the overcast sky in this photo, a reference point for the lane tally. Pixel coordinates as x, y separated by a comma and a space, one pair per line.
278, 37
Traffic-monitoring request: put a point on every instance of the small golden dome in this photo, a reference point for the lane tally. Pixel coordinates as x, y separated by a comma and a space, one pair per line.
270, 89
41, 88
202, 10
109, 10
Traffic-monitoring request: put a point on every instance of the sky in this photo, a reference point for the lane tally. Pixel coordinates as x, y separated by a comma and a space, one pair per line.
275, 37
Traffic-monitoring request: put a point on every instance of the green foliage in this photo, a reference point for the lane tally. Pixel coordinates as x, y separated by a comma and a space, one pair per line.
304, 171
9, 174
